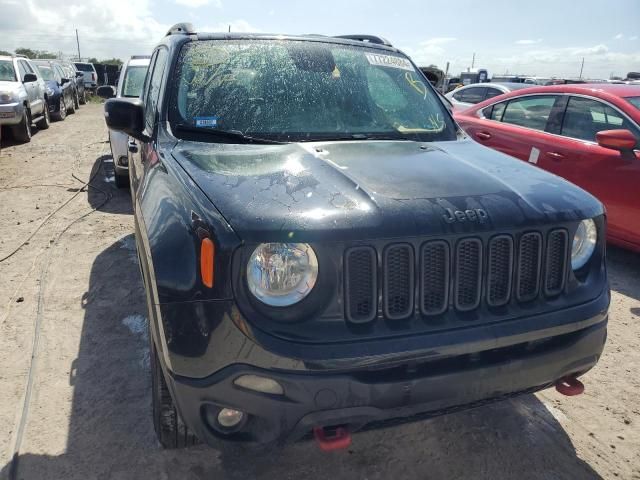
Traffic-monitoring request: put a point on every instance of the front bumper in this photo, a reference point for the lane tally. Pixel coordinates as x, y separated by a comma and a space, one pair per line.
11, 113
379, 396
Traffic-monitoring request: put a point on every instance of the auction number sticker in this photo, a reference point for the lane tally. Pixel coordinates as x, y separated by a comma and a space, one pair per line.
206, 121
389, 61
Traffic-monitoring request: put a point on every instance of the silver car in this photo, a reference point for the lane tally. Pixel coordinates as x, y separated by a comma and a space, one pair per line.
89, 74
130, 85
465, 97
23, 97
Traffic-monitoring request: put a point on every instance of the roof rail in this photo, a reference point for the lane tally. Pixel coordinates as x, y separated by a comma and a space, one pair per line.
367, 39
140, 57
20, 55
181, 29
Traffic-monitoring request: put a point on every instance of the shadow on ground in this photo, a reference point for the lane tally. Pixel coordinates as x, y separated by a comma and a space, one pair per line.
110, 432
103, 193
624, 272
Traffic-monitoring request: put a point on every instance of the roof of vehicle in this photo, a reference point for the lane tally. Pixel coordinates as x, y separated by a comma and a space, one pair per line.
136, 61
589, 88
5, 57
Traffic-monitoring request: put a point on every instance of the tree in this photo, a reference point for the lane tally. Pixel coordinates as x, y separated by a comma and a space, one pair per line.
112, 61
3, 52
93, 60
27, 52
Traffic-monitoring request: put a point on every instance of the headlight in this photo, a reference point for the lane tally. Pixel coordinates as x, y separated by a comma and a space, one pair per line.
281, 274
584, 243
49, 91
7, 97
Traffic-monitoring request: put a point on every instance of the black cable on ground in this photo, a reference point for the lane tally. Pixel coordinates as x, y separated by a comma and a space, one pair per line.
13, 468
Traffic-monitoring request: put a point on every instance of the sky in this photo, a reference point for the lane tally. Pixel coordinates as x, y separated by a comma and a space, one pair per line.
539, 37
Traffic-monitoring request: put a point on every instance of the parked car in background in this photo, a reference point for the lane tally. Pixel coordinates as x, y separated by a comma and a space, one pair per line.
586, 133
323, 250
89, 74
60, 94
130, 85
78, 80
23, 97
469, 95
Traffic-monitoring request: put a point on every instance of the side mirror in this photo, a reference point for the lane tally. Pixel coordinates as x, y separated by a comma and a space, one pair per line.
106, 91
29, 77
64, 80
79, 74
125, 115
622, 140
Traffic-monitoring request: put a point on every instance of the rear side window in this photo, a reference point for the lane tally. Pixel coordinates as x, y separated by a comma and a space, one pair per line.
494, 112
585, 117
530, 112
493, 92
471, 95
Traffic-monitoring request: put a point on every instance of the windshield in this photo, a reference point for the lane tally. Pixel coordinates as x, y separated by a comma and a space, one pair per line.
84, 67
6, 71
635, 101
46, 73
304, 91
133, 81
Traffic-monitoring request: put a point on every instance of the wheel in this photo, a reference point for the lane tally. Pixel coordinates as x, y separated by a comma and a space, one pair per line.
61, 114
170, 429
76, 101
122, 179
83, 97
72, 108
44, 122
22, 131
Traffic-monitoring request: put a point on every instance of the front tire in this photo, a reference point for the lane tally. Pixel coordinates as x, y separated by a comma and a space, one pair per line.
170, 429
72, 107
122, 180
61, 114
83, 97
45, 121
76, 101
22, 131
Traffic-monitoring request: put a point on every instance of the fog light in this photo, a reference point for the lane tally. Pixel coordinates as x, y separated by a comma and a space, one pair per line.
229, 418
259, 384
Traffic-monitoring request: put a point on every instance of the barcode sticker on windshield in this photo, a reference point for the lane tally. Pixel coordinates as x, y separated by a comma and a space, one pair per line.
389, 61
206, 121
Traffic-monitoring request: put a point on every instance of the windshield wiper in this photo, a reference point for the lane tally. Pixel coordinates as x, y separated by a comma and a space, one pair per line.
229, 134
361, 136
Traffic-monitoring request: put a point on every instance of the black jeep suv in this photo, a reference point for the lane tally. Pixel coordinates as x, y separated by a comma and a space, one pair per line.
323, 249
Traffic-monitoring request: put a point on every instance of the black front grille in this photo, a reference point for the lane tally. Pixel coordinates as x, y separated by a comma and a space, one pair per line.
500, 270
361, 284
468, 273
398, 293
434, 278
458, 273
529, 252
556, 262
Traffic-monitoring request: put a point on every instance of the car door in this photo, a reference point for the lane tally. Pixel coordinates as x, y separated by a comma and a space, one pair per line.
518, 126
611, 176
30, 87
143, 155
37, 89
66, 91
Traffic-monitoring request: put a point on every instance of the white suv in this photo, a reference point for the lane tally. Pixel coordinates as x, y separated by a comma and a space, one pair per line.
23, 97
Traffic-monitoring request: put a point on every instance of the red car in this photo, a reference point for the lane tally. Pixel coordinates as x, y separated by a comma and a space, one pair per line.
588, 134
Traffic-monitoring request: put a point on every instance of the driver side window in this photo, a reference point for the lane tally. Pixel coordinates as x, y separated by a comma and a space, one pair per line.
153, 90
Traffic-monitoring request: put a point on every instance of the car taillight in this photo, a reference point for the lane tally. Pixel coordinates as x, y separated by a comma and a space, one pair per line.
93, 77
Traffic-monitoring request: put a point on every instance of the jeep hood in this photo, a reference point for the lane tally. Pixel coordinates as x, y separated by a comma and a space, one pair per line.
372, 189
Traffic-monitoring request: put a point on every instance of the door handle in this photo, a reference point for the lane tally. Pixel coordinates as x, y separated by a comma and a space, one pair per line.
133, 147
555, 155
483, 135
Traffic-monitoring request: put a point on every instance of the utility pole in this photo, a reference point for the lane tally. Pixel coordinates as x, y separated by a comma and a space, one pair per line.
229, 28
78, 43
473, 61
581, 67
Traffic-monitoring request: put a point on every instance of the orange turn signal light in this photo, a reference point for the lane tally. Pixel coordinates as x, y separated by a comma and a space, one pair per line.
207, 259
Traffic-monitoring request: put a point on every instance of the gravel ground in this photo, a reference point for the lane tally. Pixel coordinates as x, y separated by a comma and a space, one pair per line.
88, 414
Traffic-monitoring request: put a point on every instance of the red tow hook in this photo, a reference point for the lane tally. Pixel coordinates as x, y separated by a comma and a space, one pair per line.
570, 386
332, 438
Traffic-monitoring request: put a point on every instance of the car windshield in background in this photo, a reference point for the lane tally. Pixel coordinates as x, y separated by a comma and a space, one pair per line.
635, 101
84, 67
6, 71
304, 91
46, 72
133, 81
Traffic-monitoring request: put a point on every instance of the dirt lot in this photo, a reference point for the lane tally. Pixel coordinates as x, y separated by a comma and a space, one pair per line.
75, 287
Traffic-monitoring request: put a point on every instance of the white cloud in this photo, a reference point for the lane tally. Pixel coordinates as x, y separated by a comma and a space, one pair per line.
619, 37
199, 3
238, 26
635, 37
438, 41
528, 42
